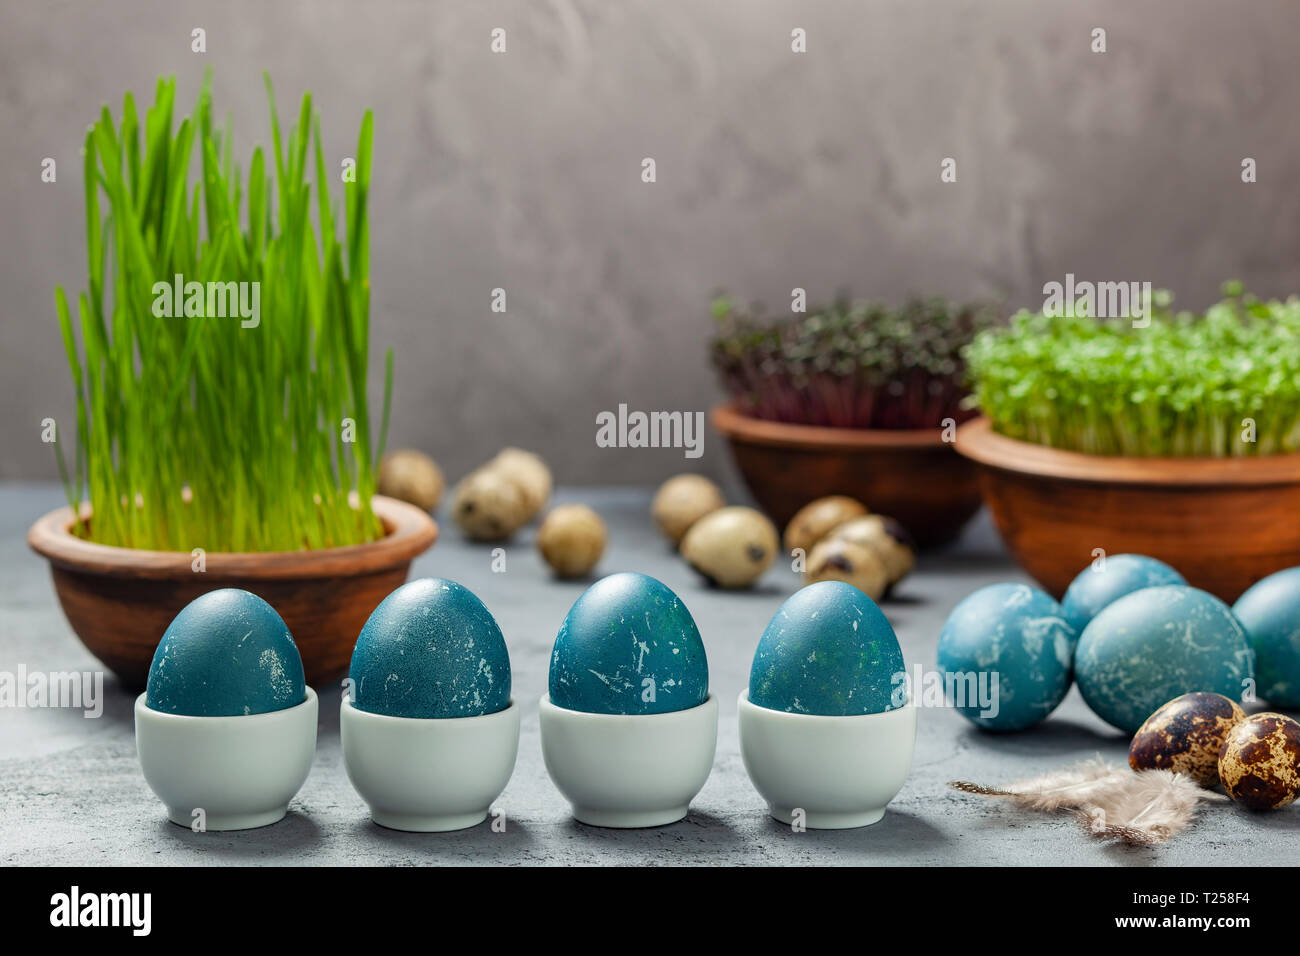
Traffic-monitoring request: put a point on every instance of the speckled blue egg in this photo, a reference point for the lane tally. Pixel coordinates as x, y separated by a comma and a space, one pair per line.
1006, 652
1270, 613
828, 651
628, 646
226, 654
1120, 574
431, 650
1157, 644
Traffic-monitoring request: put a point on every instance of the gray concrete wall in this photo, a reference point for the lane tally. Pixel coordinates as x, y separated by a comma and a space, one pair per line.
775, 170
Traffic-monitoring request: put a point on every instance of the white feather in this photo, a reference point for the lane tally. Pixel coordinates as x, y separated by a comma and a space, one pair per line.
1143, 808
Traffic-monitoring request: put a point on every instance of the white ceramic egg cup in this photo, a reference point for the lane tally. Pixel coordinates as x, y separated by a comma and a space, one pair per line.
429, 775
629, 770
241, 771
840, 771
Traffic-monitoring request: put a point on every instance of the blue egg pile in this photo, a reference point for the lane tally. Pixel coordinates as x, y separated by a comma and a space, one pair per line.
1141, 637
628, 646
1006, 653
226, 654
828, 651
431, 650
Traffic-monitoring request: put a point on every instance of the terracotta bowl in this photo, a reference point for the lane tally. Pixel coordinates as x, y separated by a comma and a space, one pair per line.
1224, 523
913, 476
120, 600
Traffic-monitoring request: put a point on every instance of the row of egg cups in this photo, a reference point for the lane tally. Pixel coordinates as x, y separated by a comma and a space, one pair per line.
438, 774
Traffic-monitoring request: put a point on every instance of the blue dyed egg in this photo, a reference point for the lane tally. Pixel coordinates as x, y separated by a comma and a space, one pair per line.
628, 646
1270, 613
226, 654
431, 650
1006, 653
829, 651
1120, 574
1157, 644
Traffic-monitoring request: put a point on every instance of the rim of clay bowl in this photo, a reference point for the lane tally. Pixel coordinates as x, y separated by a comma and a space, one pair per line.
409, 532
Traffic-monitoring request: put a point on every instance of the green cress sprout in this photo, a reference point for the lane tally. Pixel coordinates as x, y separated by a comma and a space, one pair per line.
1225, 383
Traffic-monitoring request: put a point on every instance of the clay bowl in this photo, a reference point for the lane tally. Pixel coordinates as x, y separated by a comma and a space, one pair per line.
911, 475
120, 600
1224, 523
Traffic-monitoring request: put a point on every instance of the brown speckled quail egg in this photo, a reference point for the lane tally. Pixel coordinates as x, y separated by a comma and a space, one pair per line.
572, 539
683, 500
411, 476
1259, 765
732, 546
1185, 736
488, 506
818, 518
886, 537
529, 472
833, 559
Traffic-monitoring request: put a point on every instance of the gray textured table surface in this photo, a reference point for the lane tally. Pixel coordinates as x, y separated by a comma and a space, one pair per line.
72, 792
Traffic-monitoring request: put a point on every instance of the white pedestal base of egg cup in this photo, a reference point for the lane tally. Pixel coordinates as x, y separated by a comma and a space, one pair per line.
629, 770
241, 771
429, 775
840, 771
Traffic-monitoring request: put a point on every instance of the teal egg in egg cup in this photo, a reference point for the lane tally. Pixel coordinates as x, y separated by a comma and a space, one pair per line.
629, 727
226, 728
430, 732
826, 728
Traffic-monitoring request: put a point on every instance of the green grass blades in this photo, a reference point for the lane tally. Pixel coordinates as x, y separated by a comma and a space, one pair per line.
849, 365
1187, 385
237, 418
